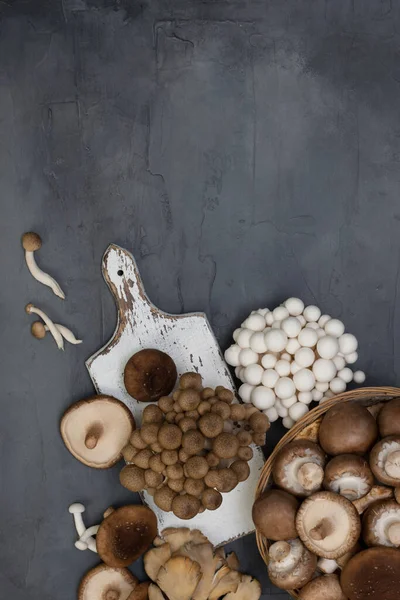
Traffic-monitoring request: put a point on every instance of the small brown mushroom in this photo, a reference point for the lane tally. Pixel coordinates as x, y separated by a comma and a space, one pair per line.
241, 469
347, 429
163, 498
185, 506
194, 487
196, 467
106, 583
244, 438
226, 481
225, 445
137, 441
381, 524
129, 453
211, 425
142, 458
193, 441
373, 574
207, 393
389, 418
169, 457
274, 515
132, 478
326, 587
299, 468
149, 374
166, 404
238, 412
149, 432
384, 460
153, 479
186, 424
189, 399
190, 381
259, 422
211, 499
348, 475
32, 242
125, 535
290, 565
222, 409
176, 484
170, 436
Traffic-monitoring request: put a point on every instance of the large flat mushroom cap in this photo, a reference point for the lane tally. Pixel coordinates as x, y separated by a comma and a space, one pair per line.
100, 583
126, 534
96, 429
149, 374
347, 429
373, 574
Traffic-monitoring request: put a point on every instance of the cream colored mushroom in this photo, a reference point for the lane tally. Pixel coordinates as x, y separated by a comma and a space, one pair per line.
348, 475
299, 468
31, 242
31, 309
39, 330
384, 460
291, 565
381, 524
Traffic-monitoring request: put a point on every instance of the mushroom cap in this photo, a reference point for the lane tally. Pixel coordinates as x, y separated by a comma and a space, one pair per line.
348, 475
389, 418
293, 462
141, 591
326, 587
381, 524
31, 241
100, 582
384, 460
95, 430
163, 497
149, 374
185, 506
274, 515
347, 429
211, 499
225, 445
125, 534
291, 565
328, 524
372, 574
38, 330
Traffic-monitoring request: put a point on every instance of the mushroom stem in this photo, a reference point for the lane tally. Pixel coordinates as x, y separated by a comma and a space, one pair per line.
66, 333
327, 565
86, 540
108, 512
41, 276
322, 530
392, 464
393, 533
93, 436
310, 475
279, 551
76, 510
112, 595
31, 309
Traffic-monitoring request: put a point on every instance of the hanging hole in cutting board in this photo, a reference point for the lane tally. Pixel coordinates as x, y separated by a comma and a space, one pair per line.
120, 273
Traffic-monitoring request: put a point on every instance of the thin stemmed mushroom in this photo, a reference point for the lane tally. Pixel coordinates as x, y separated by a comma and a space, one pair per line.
39, 330
31, 309
31, 242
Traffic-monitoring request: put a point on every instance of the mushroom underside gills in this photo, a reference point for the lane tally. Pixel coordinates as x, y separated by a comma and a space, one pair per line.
291, 564
303, 474
350, 486
381, 524
385, 460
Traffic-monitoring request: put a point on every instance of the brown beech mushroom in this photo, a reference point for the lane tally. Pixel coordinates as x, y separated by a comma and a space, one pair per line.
299, 468
389, 418
125, 535
211, 499
384, 460
95, 430
225, 445
348, 475
163, 498
274, 515
373, 574
328, 524
326, 587
381, 524
107, 583
347, 429
149, 374
290, 565
141, 591
185, 506
378, 492
32, 242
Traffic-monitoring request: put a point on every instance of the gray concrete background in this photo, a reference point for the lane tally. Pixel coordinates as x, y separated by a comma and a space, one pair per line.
243, 151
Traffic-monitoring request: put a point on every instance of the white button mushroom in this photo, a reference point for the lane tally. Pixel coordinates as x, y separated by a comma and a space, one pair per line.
282, 367
324, 370
295, 306
359, 376
232, 355
340, 362
304, 380
253, 374
272, 414
287, 422
351, 358
269, 378
291, 326
348, 343
328, 347
262, 397
306, 397
245, 391
316, 395
247, 357
311, 313
292, 346
307, 337
257, 342
297, 411
334, 327
276, 340
304, 357
269, 360
286, 356
313, 325
337, 385
288, 402
280, 409
302, 320
263, 311
322, 386
269, 318
284, 388
255, 322
320, 333
243, 338
346, 374
276, 325
280, 313
322, 321
294, 367
235, 334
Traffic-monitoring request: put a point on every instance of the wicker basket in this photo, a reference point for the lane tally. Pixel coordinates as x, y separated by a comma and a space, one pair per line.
307, 428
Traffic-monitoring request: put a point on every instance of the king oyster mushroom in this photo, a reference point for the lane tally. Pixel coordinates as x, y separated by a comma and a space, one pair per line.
389, 418
149, 374
384, 460
274, 514
95, 430
381, 524
348, 475
290, 565
326, 587
347, 429
107, 583
299, 468
373, 574
328, 524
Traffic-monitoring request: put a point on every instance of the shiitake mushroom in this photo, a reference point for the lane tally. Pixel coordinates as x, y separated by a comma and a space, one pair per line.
132, 478
149, 374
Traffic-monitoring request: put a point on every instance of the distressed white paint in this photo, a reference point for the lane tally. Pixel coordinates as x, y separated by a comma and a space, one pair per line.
190, 341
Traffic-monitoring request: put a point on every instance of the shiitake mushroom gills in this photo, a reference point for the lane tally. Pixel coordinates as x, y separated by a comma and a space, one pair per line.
149, 374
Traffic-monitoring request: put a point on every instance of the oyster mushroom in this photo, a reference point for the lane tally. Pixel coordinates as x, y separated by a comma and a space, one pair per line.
328, 524
107, 583
32, 242
347, 429
96, 430
274, 515
381, 524
372, 574
326, 587
149, 374
348, 475
248, 589
299, 468
389, 418
290, 565
125, 535
179, 577
384, 460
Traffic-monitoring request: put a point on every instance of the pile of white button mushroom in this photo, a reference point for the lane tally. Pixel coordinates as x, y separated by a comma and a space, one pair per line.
290, 357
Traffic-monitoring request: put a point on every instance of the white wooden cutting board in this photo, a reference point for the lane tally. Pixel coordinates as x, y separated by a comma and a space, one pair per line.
190, 341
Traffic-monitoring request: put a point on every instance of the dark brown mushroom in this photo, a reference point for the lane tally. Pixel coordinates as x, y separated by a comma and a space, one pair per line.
274, 515
149, 374
389, 418
373, 574
347, 429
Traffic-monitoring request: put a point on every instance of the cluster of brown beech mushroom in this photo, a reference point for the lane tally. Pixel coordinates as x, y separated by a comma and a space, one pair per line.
183, 565
192, 446
334, 527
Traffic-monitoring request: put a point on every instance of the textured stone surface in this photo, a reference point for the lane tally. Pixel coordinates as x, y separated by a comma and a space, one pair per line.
243, 151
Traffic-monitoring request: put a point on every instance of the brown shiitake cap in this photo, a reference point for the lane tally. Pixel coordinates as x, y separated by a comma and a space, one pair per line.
241, 469
95, 430
222, 409
274, 515
194, 487
211, 425
190, 381
156, 464
259, 422
166, 404
389, 418
211, 499
245, 453
227, 480
129, 452
373, 574
347, 429
204, 407
153, 479
125, 534
149, 374
38, 330
185, 506
193, 441
207, 393
107, 583
348, 475
149, 432
384, 460
152, 414
176, 484
189, 399
196, 467
381, 524
238, 413
225, 445
163, 498
169, 457
174, 471
244, 437
31, 241
137, 441
132, 478
142, 458
224, 394
186, 424
170, 436
298, 468
325, 587
328, 524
